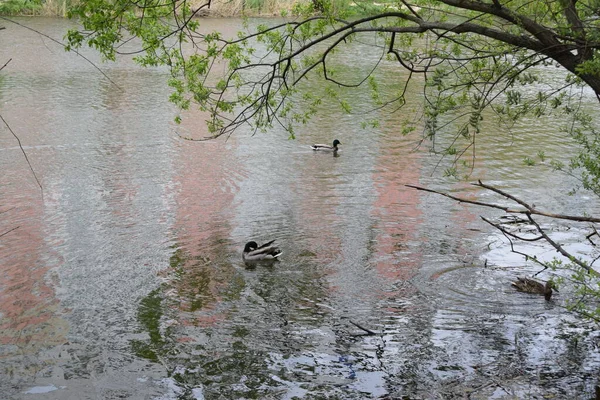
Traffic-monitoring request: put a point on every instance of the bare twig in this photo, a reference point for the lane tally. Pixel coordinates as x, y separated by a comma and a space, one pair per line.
9, 231
369, 332
24, 154
560, 249
506, 232
589, 237
460, 199
528, 208
5, 64
509, 236
529, 211
62, 44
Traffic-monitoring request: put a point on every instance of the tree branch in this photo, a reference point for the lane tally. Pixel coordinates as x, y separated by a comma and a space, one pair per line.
506, 232
545, 36
528, 209
509, 236
533, 210
559, 248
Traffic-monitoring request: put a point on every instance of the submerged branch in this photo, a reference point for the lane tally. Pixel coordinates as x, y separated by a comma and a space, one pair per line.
369, 332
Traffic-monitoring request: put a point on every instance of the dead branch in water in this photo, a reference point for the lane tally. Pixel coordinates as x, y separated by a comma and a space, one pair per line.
369, 332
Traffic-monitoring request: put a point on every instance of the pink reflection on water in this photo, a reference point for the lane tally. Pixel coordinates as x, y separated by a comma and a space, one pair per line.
205, 190
397, 209
27, 298
318, 205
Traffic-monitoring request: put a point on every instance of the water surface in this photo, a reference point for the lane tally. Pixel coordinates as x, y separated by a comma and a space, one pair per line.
125, 279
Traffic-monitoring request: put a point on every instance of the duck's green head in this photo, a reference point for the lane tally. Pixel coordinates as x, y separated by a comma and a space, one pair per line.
336, 142
250, 246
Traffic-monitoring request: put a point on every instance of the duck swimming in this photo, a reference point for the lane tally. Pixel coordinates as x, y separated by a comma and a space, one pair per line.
529, 285
325, 147
265, 252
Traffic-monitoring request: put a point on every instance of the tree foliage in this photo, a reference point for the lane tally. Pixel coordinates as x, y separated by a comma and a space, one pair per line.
475, 59
472, 54
16, 7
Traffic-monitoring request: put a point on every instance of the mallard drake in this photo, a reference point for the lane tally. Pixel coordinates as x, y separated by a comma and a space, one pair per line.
325, 147
529, 285
265, 252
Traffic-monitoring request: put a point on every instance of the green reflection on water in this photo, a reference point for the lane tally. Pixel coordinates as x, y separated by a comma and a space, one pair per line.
149, 315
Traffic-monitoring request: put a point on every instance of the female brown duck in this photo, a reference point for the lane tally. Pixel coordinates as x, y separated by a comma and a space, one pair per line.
529, 285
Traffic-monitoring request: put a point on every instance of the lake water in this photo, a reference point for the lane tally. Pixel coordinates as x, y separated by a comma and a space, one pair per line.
125, 279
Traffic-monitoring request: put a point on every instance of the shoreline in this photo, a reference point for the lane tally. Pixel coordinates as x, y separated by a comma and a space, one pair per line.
219, 9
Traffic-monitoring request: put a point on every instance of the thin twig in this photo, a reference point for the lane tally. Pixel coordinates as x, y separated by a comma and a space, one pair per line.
503, 230
5, 64
62, 44
528, 209
509, 236
560, 249
24, 154
589, 237
9, 231
460, 199
369, 332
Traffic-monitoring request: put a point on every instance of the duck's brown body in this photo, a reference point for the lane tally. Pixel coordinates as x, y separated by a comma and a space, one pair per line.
529, 285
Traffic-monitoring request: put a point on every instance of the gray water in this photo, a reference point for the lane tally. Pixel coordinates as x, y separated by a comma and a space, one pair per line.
125, 279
